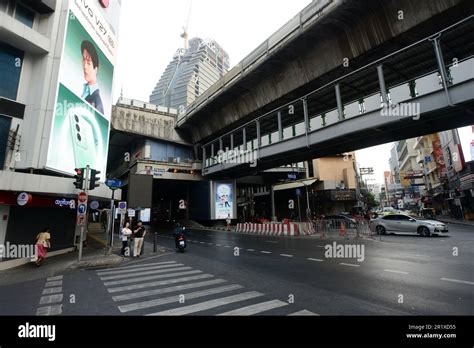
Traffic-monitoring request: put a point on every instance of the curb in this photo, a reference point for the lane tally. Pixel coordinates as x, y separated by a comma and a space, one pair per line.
98, 261
457, 223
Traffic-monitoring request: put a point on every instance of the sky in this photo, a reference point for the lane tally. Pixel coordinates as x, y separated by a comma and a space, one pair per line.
149, 35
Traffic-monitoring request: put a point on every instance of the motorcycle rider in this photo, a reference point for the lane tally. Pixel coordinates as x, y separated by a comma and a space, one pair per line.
177, 232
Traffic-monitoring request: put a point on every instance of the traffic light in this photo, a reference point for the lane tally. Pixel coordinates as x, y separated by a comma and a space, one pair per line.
457, 192
79, 183
94, 178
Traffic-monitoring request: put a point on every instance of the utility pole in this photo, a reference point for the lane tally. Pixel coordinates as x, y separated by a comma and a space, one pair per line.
81, 240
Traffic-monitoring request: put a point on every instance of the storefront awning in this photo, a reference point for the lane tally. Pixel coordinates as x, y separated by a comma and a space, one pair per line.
294, 184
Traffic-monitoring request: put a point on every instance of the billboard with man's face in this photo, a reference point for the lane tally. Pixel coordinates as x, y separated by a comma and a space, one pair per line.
81, 121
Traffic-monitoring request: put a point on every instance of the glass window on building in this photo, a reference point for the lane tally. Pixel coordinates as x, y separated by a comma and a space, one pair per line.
11, 61
24, 15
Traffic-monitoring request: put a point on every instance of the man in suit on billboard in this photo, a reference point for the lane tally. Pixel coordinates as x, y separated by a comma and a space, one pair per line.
90, 65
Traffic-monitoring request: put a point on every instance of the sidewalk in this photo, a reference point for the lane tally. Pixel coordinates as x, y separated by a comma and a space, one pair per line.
94, 255
455, 221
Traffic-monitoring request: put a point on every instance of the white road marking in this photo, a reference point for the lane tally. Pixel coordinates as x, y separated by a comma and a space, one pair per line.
286, 255
49, 291
303, 312
265, 252
50, 310
414, 255
51, 299
395, 271
138, 266
158, 283
256, 308
176, 298
167, 290
160, 276
157, 271
311, 259
148, 268
210, 304
227, 246
54, 278
457, 281
349, 264
54, 283
250, 250
320, 246
218, 245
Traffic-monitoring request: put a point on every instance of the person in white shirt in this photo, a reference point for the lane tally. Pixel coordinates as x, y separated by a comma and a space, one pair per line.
126, 233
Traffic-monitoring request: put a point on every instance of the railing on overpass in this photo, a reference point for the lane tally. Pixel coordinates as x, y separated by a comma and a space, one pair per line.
294, 26
385, 82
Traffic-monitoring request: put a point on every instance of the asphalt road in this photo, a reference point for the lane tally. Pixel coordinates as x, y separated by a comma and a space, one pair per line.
228, 273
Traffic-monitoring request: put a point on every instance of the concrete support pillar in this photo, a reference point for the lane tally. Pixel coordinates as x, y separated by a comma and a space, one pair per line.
204, 155
383, 89
280, 128
259, 139
340, 110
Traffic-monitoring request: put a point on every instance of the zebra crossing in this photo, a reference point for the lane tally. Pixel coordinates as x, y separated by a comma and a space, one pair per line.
172, 288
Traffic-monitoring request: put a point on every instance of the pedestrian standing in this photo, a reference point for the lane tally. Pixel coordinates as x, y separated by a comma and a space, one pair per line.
228, 221
43, 242
126, 233
139, 236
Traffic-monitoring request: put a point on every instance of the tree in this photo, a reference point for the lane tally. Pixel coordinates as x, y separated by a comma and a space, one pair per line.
369, 199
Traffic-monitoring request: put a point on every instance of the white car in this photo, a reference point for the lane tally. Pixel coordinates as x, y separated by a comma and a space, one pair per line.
403, 223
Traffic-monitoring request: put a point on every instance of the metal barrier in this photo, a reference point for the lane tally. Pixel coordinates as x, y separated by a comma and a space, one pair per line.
334, 228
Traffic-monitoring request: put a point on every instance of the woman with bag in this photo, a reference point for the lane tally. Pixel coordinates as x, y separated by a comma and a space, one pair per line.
43, 242
126, 233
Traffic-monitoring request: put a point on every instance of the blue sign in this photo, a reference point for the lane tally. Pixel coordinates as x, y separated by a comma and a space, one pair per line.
114, 183
81, 209
298, 192
94, 205
292, 176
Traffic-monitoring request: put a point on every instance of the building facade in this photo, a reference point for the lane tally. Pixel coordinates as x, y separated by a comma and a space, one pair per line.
47, 120
190, 73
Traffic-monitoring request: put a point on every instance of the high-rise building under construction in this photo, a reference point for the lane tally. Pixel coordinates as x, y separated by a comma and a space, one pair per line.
190, 73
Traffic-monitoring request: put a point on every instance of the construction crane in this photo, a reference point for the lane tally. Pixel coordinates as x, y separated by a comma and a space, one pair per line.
184, 34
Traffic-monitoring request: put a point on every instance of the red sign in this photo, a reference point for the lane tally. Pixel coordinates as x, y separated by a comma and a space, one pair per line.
81, 220
82, 197
439, 159
104, 3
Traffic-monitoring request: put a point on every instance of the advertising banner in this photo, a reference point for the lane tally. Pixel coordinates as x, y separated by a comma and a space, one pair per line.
224, 200
439, 159
81, 121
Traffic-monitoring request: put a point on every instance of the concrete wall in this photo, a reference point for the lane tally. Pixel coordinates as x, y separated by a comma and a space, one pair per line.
141, 121
13, 181
334, 170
